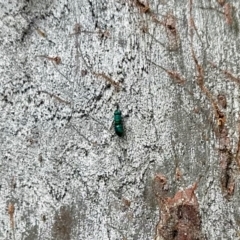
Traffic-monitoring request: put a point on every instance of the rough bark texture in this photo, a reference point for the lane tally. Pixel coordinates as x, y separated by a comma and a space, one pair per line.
172, 68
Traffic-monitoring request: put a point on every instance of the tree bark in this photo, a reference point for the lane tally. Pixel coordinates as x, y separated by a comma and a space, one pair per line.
171, 68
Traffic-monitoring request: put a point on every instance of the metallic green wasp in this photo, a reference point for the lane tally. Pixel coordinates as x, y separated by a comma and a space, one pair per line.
118, 124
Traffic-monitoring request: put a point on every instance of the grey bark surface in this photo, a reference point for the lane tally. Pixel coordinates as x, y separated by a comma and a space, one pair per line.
64, 173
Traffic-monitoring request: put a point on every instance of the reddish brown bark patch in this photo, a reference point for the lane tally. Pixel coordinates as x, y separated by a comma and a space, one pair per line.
228, 13
221, 2
179, 216
227, 164
222, 101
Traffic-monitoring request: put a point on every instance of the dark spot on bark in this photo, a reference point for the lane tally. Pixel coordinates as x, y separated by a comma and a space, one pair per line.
63, 221
175, 233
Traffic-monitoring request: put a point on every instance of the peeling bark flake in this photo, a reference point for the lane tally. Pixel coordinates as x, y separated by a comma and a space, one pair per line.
179, 218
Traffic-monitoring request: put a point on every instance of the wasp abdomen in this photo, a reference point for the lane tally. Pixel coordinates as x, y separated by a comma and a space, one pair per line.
118, 125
